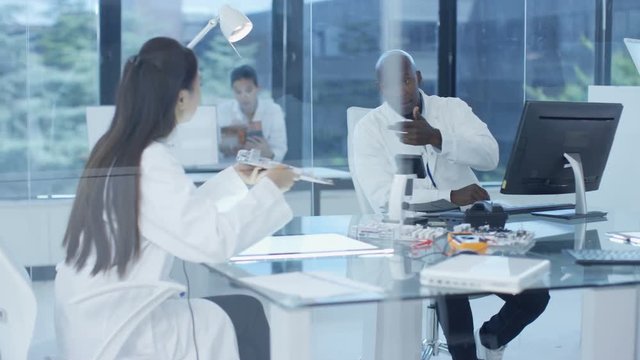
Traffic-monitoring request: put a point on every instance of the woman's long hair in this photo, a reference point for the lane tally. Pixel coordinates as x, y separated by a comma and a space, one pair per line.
104, 218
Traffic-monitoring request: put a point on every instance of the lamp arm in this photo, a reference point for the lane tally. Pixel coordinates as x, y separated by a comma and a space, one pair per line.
210, 25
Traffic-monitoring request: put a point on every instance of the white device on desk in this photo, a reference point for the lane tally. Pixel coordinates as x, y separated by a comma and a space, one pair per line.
499, 274
253, 157
397, 196
194, 143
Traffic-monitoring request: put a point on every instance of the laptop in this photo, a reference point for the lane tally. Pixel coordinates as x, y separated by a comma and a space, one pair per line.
194, 143
487, 273
633, 45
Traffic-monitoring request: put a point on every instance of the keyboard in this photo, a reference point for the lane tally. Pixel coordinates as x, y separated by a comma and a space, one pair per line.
606, 257
515, 210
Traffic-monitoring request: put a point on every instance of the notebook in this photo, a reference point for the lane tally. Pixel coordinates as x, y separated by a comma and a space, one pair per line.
486, 273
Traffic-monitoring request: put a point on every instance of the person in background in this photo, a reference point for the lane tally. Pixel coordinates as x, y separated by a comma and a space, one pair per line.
452, 141
257, 122
136, 211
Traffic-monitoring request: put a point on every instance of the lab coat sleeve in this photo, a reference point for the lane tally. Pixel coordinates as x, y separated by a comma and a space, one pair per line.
278, 137
466, 140
374, 173
186, 222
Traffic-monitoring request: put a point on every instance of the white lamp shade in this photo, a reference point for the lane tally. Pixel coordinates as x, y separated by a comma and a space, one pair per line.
234, 24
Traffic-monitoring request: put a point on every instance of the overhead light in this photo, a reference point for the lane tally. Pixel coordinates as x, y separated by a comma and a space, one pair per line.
233, 23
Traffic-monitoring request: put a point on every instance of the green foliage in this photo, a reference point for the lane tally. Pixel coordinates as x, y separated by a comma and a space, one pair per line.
45, 88
623, 72
71, 35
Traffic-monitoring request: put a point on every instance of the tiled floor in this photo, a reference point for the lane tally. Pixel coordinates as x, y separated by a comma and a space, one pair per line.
338, 330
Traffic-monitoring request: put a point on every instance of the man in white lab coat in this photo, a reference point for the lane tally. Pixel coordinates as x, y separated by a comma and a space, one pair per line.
262, 118
452, 141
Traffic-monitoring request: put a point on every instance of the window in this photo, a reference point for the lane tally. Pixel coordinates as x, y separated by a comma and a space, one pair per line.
625, 20
509, 51
46, 86
344, 39
183, 19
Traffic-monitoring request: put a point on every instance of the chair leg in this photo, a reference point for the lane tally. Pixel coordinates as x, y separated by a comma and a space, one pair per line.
427, 353
431, 344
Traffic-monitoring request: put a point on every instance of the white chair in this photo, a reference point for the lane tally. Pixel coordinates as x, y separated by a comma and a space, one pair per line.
18, 309
354, 114
158, 292
431, 345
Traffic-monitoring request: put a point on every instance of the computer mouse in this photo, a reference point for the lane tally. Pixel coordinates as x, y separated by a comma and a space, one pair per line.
486, 212
484, 206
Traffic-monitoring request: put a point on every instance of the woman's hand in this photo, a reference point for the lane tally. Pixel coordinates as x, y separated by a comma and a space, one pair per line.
282, 176
249, 174
259, 143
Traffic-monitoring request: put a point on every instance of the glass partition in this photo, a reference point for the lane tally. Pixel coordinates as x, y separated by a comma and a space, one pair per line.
49, 76
624, 24
511, 51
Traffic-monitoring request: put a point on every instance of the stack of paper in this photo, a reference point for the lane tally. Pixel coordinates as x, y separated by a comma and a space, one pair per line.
625, 237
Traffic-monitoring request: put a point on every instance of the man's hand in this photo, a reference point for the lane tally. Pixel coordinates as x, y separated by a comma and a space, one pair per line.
468, 195
417, 131
258, 142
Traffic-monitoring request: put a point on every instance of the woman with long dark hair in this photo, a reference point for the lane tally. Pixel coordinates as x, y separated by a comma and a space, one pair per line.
135, 211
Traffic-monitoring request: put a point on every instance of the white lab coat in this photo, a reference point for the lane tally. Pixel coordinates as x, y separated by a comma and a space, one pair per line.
466, 144
176, 220
267, 112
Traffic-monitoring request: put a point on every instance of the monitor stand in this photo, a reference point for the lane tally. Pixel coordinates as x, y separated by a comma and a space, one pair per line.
580, 211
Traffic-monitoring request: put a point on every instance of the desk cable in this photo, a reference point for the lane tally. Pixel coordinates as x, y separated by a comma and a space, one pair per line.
193, 320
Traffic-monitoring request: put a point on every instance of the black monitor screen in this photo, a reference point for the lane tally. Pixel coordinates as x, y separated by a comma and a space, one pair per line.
550, 129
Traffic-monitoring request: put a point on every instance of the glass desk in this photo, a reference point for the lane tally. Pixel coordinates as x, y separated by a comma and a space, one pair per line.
392, 279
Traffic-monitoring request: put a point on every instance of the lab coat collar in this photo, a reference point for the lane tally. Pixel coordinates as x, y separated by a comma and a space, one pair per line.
256, 117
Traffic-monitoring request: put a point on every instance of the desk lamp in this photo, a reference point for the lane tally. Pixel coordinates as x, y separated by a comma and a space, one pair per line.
233, 23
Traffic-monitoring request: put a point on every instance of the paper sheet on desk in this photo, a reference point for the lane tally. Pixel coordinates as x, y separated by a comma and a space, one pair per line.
306, 246
310, 285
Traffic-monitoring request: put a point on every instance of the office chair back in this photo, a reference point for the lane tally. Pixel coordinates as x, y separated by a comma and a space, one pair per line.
18, 309
122, 327
355, 114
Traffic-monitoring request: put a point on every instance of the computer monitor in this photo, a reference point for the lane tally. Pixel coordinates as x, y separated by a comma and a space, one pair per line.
561, 147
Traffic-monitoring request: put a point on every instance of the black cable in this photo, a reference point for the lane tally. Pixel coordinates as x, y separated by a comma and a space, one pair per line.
193, 320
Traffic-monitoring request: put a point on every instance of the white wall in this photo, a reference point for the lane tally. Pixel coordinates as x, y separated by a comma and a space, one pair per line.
619, 192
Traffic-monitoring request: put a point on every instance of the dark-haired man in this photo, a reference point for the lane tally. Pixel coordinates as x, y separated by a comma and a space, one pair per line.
261, 119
